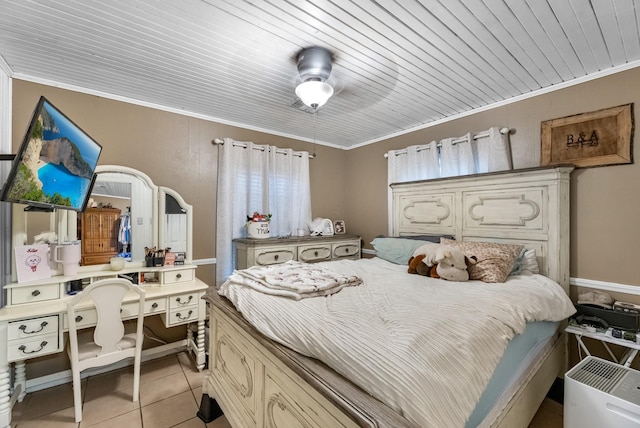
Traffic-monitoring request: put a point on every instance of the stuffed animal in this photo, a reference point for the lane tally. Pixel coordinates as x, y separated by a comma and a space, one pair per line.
416, 266
46, 238
440, 261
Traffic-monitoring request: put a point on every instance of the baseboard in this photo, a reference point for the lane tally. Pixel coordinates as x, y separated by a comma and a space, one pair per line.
606, 286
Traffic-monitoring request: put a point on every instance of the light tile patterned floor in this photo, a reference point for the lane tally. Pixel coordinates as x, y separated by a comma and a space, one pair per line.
170, 394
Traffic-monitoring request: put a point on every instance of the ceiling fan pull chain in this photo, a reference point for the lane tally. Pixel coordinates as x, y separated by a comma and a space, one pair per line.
315, 113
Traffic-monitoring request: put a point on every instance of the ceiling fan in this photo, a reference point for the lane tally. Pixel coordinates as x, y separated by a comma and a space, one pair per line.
314, 67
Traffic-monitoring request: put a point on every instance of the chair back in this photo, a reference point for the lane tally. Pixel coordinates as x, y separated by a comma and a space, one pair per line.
107, 296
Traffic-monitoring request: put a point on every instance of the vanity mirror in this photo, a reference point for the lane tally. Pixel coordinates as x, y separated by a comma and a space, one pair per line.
121, 217
119, 192
176, 223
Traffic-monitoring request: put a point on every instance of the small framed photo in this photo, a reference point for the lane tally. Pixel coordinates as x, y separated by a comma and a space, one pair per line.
339, 227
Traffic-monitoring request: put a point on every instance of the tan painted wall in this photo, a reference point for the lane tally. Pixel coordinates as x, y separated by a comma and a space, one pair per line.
605, 201
176, 151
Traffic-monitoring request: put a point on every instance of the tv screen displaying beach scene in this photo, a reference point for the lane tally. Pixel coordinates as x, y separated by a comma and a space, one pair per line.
55, 164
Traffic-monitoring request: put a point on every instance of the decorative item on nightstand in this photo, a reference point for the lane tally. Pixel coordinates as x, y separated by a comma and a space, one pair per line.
339, 227
321, 226
258, 226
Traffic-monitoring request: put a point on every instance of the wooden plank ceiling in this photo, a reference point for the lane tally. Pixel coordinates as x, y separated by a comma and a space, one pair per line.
399, 65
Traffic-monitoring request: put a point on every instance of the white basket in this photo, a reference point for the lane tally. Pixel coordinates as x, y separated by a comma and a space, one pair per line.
258, 229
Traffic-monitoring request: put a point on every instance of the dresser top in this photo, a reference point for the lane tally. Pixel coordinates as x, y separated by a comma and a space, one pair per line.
295, 239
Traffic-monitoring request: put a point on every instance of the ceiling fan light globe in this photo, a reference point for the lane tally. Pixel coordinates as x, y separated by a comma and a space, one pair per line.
314, 93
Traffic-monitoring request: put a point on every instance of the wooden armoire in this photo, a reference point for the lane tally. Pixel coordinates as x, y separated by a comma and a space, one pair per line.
99, 229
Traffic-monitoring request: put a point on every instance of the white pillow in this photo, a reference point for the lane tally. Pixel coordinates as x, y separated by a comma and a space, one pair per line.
526, 260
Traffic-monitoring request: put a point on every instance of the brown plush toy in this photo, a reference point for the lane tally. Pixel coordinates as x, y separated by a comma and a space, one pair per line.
416, 266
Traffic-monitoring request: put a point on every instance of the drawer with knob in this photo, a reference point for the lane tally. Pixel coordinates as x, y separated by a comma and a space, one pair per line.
177, 276
32, 327
183, 300
271, 256
155, 306
33, 337
346, 250
32, 347
33, 293
181, 315
314, 253
84, 318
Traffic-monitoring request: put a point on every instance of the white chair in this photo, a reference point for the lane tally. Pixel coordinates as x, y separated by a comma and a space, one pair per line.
110, 343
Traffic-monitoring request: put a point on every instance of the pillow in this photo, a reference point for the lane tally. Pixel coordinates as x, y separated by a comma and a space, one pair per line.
399, 250
527, 260
495, 261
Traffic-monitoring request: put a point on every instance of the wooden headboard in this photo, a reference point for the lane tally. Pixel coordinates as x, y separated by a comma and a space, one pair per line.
527, 206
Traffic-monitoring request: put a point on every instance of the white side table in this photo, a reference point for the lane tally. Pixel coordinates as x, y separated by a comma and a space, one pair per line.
606, 338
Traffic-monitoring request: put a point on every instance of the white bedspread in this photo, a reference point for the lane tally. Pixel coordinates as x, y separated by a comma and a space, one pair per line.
425, 347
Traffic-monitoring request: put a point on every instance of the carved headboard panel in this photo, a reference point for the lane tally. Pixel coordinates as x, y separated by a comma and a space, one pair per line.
528, 206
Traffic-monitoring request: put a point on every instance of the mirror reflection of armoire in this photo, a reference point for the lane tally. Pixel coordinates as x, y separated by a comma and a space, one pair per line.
98, 231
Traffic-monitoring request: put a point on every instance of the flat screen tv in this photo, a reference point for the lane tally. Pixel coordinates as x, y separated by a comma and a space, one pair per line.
54, 166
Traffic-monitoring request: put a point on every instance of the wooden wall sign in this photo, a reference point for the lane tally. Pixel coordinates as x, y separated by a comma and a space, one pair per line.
602, 137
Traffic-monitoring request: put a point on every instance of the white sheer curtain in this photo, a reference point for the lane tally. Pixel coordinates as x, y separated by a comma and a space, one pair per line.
259, 178
412, 163
456, 156
485, 152
493, 151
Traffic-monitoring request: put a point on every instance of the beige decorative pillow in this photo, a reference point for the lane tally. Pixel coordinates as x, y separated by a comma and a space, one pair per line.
495, 261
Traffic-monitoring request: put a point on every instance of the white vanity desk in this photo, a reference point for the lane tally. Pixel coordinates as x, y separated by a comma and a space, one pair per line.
34, 326
33, 322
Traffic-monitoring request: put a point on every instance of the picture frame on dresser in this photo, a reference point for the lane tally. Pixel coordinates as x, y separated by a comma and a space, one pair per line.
339, 227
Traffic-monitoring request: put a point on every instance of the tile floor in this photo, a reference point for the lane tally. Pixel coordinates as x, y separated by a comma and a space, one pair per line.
549, 415
170, 394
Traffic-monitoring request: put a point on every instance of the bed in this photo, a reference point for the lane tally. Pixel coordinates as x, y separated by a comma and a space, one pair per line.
259, 382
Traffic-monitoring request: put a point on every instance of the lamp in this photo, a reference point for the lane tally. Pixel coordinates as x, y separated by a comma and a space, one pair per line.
314, 67
314, 93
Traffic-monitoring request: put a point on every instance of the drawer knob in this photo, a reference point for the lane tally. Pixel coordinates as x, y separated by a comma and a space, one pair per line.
180, 317
178, 276
154, 306
79, 318
276, 257
346, 250
315, 253
180, 302
23, 348
35, 293
24, 328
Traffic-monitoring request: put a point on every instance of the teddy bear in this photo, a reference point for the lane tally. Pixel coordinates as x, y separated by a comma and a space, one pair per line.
440, 261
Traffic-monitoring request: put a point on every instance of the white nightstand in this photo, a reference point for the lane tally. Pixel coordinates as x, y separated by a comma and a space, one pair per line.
606, 338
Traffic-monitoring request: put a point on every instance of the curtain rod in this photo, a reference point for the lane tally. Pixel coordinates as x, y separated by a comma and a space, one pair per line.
220, 141
503, 131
